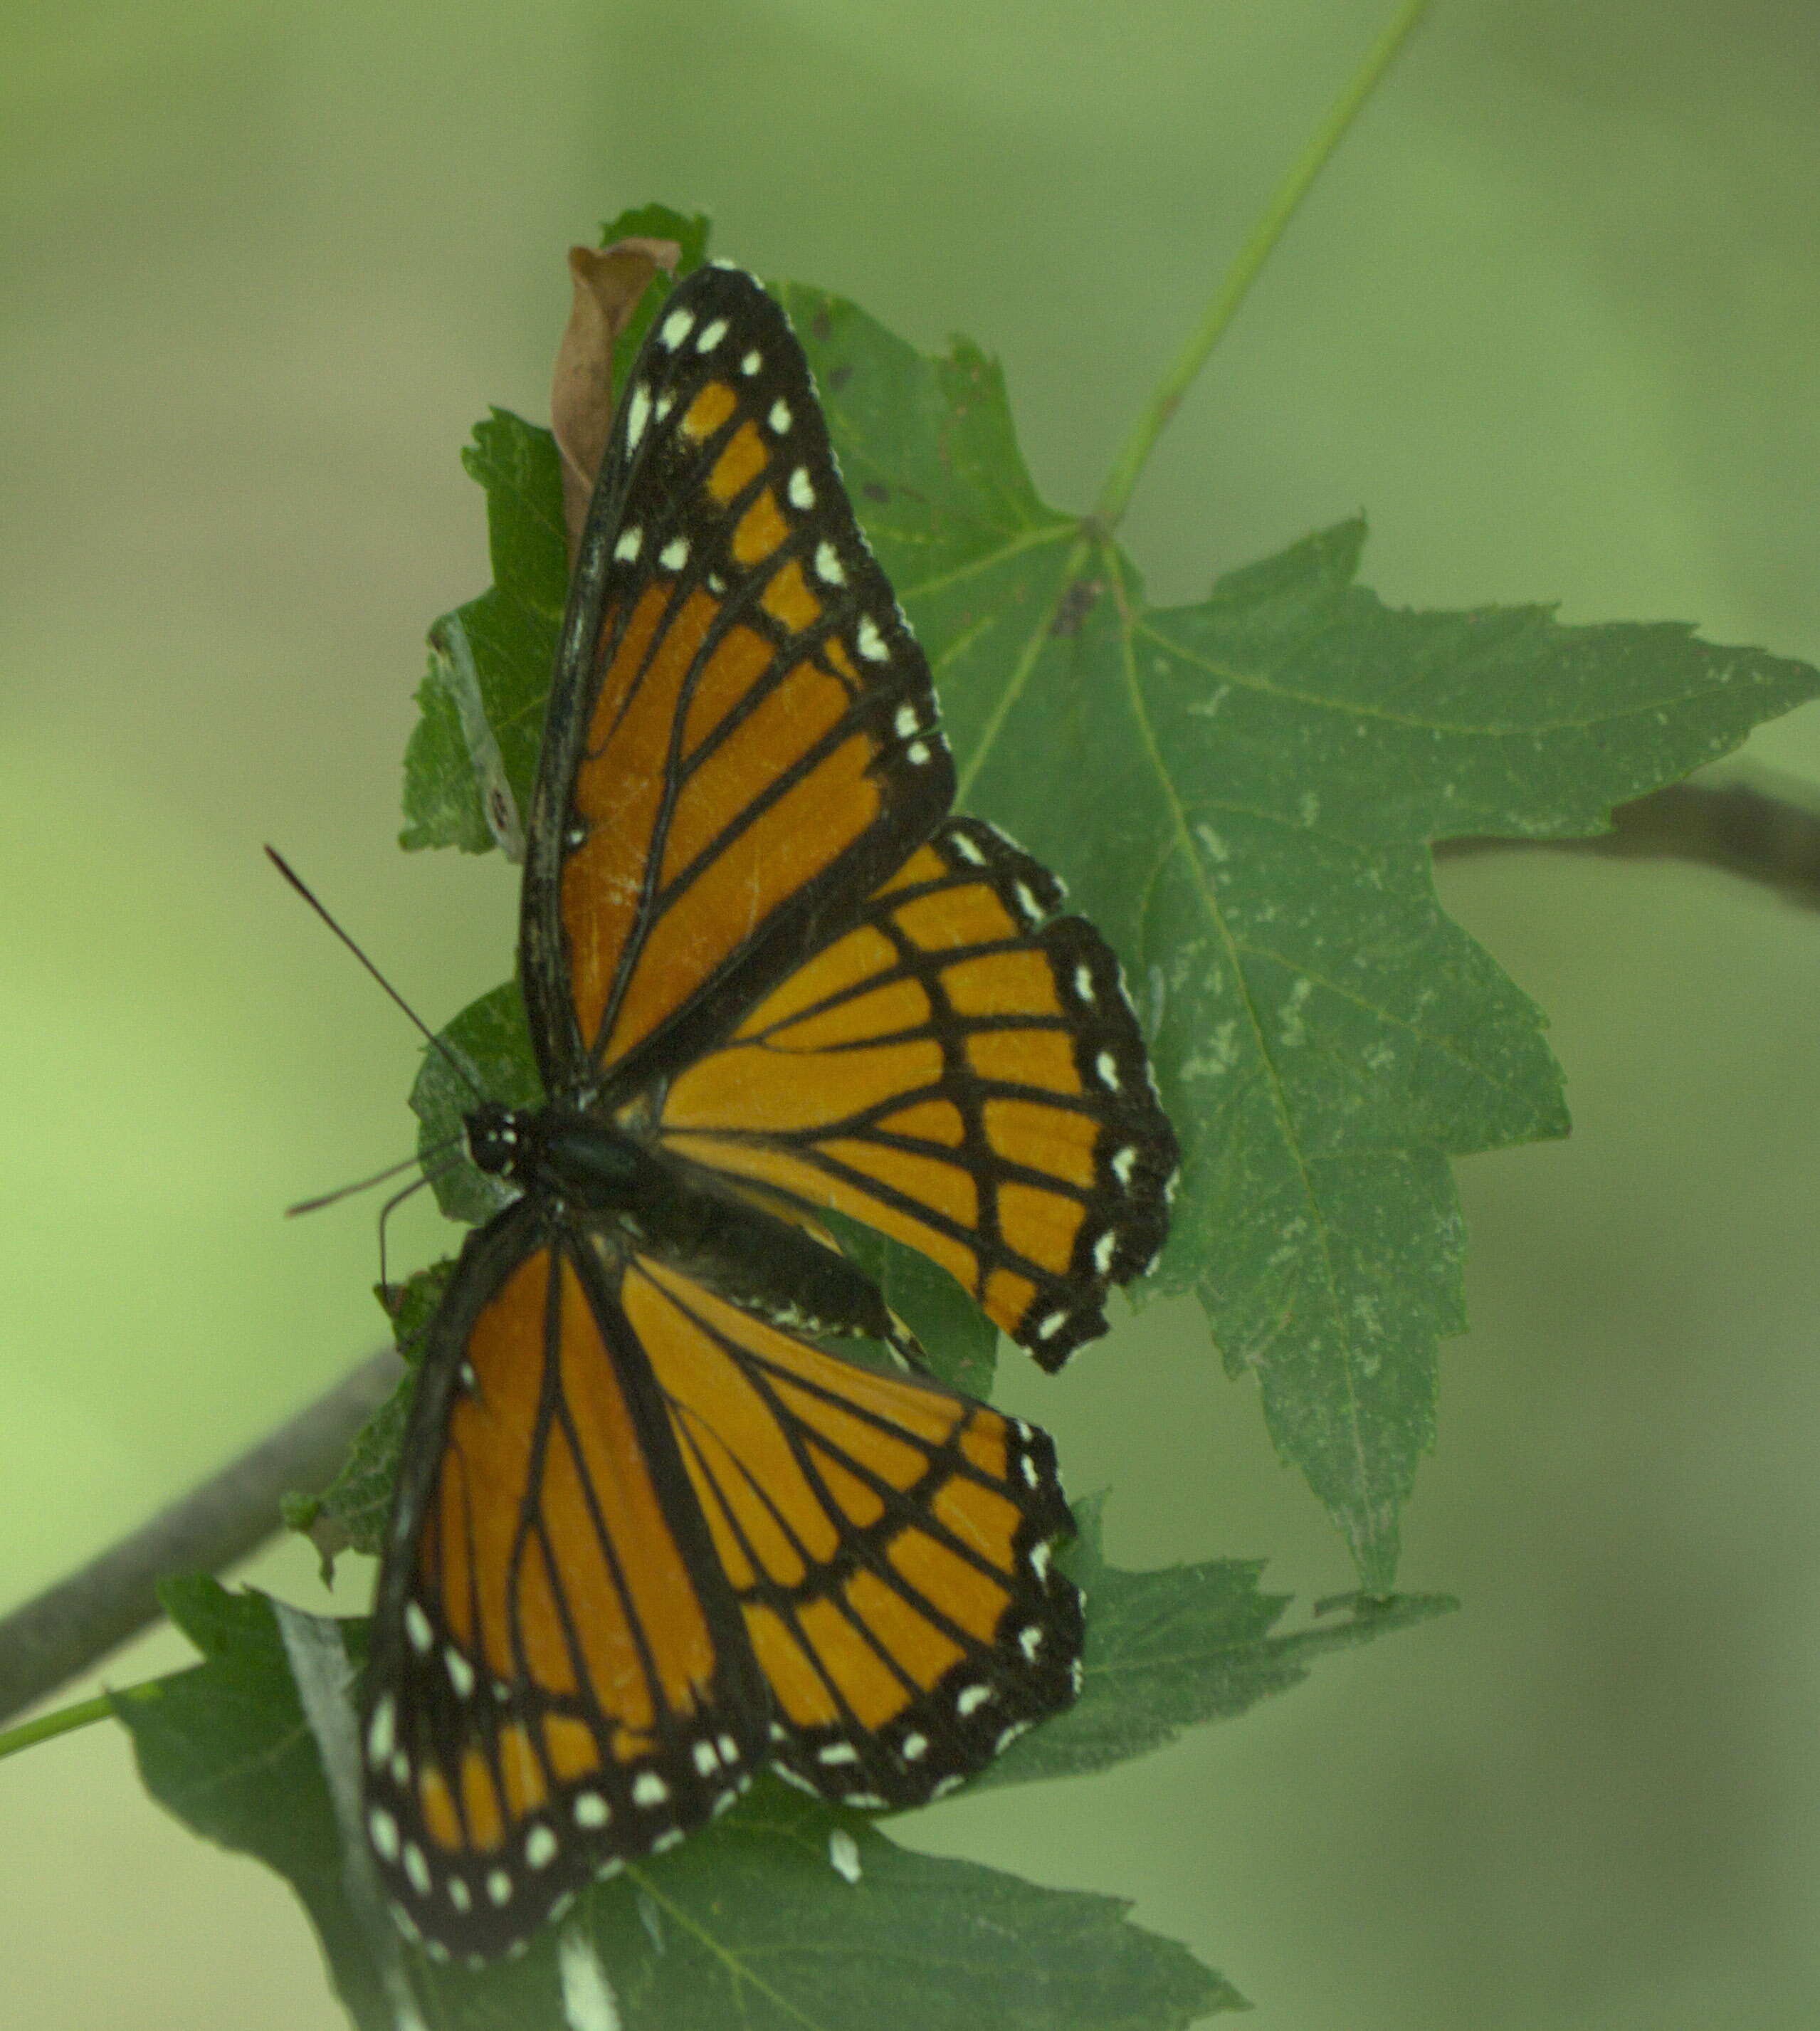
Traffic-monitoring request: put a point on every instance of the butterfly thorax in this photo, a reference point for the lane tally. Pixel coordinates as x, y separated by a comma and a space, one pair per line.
562, 1153
667, 1208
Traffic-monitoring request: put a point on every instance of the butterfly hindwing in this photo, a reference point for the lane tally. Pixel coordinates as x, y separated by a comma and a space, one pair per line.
888, 1540
741, 732
960, 1070
559, 1678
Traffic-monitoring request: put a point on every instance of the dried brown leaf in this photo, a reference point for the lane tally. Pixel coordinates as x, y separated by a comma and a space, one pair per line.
609, 282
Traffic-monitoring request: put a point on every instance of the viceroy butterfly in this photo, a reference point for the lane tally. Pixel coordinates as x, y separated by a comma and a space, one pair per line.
650, 1533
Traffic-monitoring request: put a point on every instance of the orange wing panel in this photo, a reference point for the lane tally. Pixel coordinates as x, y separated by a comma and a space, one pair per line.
884, 1011
1013, 983
441, 1821
762, 529
748, 1535
797, 836
734, 666
788, 1173
928, 1121
709, 411
758, 1090
803, 1695
865, 1684
588, 1488
485, 1472
972, 1600
788, 600
619, 790
1043, 1060
919, 1648
746, 761
1066, 1141
480, 1806
743, 460
837, 970
945, 1188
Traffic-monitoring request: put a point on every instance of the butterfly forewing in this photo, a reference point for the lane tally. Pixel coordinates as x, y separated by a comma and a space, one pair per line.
741, 735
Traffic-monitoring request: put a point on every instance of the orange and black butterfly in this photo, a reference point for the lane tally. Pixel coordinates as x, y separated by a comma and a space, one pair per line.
650, 1534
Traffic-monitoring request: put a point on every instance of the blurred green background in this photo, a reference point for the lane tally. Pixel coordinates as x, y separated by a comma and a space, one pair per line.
1550, 318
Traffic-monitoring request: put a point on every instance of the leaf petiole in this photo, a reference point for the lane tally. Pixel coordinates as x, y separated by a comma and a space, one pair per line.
1115, 495
65, 1720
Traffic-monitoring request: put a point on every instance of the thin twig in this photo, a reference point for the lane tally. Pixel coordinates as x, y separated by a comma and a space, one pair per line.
1236, 285
1741, 826
71, 1626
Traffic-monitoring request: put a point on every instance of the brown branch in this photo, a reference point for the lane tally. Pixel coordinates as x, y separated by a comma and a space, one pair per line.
71, 1626
1737, 826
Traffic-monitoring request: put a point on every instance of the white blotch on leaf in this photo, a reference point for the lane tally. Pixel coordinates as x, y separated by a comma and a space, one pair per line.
1217, 1056
843, 1854
1294, 1032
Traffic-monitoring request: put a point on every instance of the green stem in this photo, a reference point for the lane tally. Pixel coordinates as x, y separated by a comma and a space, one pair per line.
1116, 494
85, 1713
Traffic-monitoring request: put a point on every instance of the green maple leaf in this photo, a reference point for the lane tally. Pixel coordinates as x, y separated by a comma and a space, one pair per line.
788, 1912
1171, 1648
349, 1515
471, 758
1241, 793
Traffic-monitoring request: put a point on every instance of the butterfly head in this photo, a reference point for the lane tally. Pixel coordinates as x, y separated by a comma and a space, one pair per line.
497, 1141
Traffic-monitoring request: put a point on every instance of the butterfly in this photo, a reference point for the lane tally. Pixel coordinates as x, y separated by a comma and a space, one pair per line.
652, 1530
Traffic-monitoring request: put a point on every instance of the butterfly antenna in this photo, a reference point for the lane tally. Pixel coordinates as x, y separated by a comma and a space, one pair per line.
365, 1184
436, 1043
